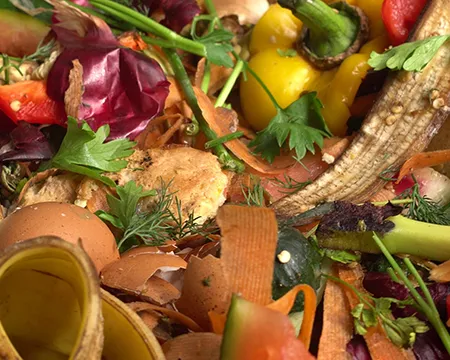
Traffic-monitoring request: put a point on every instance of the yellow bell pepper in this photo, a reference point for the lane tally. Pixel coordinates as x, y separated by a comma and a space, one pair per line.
288, 77
277, 29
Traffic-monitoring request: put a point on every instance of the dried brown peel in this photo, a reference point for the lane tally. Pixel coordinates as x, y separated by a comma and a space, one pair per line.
134, 274
247, 11
441, 273
400, 124
172, 314
337, 328
206, 288
380, 347
92, 195
194, 346
74, 93
249, 240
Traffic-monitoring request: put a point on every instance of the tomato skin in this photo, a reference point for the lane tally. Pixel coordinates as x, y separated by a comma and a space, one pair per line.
399, 17
28, 101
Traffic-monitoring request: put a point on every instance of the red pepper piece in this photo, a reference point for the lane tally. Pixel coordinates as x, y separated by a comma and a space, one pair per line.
399, 17
28, 101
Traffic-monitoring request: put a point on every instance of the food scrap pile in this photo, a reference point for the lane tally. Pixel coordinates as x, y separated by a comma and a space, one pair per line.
224, 179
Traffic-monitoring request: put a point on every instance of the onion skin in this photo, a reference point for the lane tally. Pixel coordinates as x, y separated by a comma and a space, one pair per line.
401, 123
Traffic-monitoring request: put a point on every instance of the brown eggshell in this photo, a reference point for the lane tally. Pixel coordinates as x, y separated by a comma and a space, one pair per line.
69, 222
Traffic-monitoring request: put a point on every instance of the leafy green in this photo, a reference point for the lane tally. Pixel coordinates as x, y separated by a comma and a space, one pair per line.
290, 184
370, 310
218, 44
85, 152
413, 56
123, 207
152, 227
299, 126
254, 194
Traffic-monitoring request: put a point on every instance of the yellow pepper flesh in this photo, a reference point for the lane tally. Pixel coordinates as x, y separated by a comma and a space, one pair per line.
285, 77
278, 28
288, 77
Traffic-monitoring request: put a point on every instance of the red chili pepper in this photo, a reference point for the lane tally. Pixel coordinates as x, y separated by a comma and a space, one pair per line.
399, 17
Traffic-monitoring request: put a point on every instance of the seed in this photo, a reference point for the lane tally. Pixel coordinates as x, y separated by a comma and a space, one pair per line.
284, 256
15, 105
390, 120
438, 103
397, 109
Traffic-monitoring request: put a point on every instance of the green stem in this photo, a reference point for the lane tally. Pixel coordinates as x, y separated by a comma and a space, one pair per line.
226, 90
210, 7
265, 88
206, 77
393, 275
90, 11
146, 24
421, 283
429, 311
213, 143
393, 202
5, 67
330, 33
183, 79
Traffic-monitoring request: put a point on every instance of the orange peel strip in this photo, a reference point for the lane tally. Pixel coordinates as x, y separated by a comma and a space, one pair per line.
424, 159
249, 240
286, 302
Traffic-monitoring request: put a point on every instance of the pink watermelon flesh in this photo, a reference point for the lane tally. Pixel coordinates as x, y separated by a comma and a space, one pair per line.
255, 332
20, 33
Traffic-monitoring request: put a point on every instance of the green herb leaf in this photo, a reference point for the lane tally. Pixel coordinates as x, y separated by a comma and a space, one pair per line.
413, 56
85, 152
123, 207
299, 126
287, 53
218, 45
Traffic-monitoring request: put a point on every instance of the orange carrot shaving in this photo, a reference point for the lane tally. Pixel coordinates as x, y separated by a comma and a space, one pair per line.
133, 41
218, 76
217, 322
285, 304
246, 232
175, 94
380, 347
337, 329
172, 314
164, 138
219, 120
422, 160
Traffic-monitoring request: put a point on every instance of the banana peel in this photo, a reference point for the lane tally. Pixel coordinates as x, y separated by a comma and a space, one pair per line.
52, 308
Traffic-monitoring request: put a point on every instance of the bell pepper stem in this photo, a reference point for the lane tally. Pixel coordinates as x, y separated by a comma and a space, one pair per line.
330, 32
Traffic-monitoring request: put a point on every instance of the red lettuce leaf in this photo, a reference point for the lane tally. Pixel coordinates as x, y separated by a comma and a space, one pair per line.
357, 348
122, 88
428, 346
25, 143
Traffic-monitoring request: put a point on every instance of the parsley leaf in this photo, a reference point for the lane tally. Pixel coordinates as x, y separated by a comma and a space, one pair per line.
218, 45
123, 207
85, 152
413, 56
299, 127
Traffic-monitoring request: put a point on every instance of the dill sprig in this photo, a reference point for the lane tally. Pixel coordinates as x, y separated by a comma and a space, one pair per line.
422, 208
290, 184
254, 193
156, 226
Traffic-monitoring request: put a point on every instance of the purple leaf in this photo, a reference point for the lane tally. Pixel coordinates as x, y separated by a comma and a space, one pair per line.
177, 13
26, 143
381, 285
428, 346
357, 348
121, 87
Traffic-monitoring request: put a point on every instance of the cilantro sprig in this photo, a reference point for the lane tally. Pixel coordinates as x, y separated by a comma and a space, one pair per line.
412, 56
85, 152
298, 127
